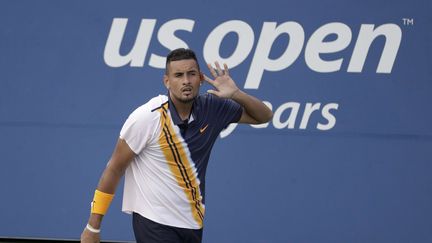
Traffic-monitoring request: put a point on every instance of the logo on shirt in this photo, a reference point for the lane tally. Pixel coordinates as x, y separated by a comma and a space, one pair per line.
203, 128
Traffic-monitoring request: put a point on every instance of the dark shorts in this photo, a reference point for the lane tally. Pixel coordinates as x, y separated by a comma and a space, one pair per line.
147, 231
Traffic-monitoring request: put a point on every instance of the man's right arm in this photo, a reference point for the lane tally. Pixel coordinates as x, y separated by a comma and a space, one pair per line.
116, 167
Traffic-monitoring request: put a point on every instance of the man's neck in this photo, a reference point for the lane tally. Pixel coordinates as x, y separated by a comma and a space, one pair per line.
183, 109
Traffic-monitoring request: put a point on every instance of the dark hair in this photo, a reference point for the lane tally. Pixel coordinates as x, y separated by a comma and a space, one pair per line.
180, 54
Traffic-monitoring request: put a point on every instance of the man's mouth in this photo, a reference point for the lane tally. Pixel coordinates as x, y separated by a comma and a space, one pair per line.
187, 90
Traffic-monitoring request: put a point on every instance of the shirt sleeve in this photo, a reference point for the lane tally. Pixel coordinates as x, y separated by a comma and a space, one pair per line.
137, 130
228, 111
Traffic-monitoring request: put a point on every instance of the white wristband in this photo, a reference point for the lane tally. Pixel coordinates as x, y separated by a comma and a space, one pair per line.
91, 229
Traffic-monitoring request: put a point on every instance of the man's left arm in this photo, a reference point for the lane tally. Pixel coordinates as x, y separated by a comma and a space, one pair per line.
254, 110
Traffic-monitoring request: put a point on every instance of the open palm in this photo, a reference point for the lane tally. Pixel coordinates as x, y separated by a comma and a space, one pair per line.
224, 85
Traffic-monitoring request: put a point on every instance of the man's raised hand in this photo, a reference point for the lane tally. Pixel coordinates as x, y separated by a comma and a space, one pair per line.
225, 86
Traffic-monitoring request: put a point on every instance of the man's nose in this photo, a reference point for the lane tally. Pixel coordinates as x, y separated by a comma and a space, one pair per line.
186, 79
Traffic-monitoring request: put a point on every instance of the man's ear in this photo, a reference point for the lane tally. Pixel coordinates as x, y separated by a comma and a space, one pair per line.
201, 78
166, 81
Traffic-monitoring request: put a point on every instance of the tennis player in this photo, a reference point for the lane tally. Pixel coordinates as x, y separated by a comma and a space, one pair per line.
164, 148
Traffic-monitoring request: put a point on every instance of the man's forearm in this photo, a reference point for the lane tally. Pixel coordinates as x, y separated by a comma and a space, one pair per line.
107, 184
254, 107
120, 160
110, 179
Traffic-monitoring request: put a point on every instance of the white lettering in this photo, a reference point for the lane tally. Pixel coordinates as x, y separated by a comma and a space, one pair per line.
136, 56
310, 108
328, 116
367, 35
167, 38
227, 131
317, 46
261, 60
244, 45
290, 122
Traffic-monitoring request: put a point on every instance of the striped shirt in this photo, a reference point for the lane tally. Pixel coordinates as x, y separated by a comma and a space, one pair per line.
166, 180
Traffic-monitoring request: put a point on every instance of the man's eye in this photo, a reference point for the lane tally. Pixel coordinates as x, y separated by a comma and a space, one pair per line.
178, 75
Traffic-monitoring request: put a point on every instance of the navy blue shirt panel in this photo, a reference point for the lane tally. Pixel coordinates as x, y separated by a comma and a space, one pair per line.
211, 115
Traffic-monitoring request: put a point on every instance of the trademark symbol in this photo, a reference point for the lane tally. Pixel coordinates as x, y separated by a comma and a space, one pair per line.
408, 21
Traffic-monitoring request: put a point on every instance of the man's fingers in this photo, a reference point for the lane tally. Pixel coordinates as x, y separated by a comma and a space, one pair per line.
220, 72
214, 92
212, 70
226, 69
209, 80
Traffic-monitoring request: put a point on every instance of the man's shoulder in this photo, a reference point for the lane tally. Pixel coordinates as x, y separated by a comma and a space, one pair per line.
152, 105
208, 98
211, 100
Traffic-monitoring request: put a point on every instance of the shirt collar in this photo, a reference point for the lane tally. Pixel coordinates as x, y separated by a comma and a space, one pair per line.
174, 114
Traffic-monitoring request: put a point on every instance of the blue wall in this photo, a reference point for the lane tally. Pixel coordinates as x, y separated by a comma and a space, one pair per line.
346, 158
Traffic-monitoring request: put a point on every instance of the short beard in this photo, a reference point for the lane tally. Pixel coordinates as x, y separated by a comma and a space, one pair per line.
185, 100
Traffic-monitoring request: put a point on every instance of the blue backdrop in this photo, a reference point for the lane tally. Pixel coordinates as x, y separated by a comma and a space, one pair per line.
346, 158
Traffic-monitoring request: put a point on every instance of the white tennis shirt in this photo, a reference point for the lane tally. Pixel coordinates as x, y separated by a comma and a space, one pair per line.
165, 181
